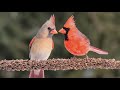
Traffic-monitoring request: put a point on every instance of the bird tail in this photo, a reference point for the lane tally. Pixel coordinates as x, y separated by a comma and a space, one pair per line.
36, 73
97, 50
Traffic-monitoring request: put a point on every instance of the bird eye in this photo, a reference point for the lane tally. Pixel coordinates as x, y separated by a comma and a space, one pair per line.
49, 28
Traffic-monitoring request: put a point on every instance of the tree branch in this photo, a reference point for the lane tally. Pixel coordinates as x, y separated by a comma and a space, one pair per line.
59, 64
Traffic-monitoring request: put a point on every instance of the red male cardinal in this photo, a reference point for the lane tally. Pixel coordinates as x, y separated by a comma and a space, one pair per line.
41, 45
76, 42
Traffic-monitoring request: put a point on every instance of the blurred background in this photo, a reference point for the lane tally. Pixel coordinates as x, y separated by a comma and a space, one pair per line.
18, 28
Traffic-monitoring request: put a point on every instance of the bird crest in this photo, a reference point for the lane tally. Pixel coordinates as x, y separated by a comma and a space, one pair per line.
52, 19
70, 22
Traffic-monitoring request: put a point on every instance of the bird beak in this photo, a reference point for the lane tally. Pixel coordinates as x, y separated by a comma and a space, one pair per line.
62, 31
54, 32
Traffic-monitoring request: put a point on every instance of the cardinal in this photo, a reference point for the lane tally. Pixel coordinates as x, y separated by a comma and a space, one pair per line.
75, 41
41, 45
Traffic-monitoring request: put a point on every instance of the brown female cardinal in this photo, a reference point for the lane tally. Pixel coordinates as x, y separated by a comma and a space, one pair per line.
76, 42
41, 45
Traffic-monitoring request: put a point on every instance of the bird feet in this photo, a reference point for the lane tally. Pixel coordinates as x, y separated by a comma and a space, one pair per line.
87, 57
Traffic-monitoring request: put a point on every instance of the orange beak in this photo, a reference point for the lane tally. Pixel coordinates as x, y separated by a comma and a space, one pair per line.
54, 32
62, 31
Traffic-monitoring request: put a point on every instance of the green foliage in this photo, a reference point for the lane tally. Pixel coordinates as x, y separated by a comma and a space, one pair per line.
18, 28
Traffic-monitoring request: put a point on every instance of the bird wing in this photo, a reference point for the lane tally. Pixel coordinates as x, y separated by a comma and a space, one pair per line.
31, 42
78, 36
83, 37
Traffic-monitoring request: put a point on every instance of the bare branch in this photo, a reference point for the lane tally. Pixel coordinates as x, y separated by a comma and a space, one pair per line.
59, 64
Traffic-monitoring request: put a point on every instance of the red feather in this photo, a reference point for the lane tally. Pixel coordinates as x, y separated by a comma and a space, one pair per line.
97, 50
77, 43
31, 42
